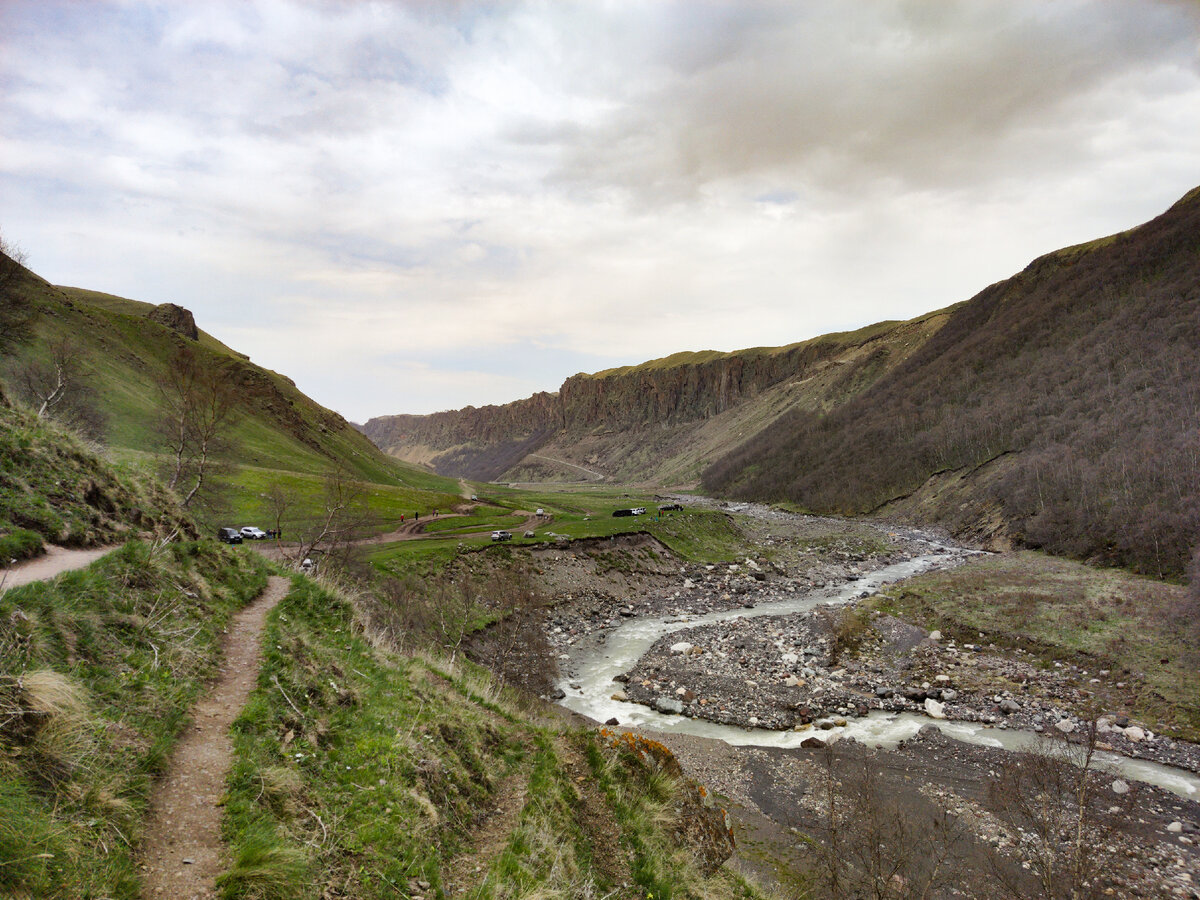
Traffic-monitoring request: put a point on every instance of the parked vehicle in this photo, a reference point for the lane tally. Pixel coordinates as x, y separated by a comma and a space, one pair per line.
252, 533
530, 534
618, 513
501, 535
670, 507
229, 536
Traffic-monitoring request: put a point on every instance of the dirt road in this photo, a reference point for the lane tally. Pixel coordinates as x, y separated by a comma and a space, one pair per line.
182, 849
54, 562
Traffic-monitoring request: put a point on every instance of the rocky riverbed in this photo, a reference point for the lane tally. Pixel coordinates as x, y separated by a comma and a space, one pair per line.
815, 670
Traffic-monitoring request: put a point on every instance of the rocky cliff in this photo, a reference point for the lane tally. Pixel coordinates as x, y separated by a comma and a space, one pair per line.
628, 421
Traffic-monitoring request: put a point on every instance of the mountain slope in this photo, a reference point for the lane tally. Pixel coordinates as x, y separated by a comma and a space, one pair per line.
1058, 409
126, 348
659, 421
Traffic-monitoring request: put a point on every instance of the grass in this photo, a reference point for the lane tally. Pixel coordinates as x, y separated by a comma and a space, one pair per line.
98, 670
1063, 611
54, 487
367, 771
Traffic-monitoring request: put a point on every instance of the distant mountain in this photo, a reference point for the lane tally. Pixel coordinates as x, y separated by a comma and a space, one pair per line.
661, 421
1058, 409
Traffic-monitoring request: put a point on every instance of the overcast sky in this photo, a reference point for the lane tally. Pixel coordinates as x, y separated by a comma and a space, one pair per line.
413, 206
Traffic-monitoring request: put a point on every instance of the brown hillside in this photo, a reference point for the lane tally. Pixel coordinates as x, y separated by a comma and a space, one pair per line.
1057, 409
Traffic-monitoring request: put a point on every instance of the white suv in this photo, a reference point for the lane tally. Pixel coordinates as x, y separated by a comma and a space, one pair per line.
251, 533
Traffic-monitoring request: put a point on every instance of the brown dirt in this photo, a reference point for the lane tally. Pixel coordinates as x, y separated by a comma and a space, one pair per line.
55, 561
182, 851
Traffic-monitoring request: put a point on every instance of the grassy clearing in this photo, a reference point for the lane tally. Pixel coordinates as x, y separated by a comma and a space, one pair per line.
1059, 610
98, 670
53, 488
364, 772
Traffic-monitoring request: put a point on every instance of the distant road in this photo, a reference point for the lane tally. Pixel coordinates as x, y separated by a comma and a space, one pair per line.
562, 462
55, 561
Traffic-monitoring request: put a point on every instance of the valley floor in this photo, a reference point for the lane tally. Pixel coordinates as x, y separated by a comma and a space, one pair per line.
818, 672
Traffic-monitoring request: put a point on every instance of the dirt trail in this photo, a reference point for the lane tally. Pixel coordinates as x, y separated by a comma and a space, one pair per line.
182, 851
55, 561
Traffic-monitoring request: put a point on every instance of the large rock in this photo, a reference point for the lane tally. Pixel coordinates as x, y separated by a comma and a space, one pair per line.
1135, 734
176, 318
681, 647
669, 705
933, 709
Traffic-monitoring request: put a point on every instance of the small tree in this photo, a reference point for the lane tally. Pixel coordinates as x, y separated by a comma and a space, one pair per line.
344, 518
198, 411
58, 386
1051, 800
279, 501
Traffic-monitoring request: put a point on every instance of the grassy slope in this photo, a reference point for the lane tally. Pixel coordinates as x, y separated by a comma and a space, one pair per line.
98, 670
372, 773
52, 489
281, 435
1063, 611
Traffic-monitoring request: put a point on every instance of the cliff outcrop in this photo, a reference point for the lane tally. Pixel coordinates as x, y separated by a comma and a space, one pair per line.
628, 421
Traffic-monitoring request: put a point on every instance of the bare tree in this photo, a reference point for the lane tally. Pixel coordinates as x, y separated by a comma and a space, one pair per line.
198, 412
1051, 800
58, 385
344, 518
875, 846
279, 501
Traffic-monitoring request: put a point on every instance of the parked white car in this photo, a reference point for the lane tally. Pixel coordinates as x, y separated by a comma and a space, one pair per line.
251, 533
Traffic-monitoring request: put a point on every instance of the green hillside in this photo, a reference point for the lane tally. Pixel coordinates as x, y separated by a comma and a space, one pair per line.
277, 433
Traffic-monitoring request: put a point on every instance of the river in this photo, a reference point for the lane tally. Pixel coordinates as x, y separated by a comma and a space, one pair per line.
593, 671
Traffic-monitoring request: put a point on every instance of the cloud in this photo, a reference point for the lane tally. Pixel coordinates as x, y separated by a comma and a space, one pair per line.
389, 186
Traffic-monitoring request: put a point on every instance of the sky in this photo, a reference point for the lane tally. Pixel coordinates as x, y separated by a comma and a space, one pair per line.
415, 206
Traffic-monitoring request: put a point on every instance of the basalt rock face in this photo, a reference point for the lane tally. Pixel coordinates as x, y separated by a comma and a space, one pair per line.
176, 318
632, 404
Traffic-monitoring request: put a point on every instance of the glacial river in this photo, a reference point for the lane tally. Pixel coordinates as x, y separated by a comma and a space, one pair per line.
593, 671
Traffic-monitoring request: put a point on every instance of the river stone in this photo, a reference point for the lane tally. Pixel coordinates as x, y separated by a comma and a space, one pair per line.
1066, 726
557, 694
1120, 787
789, 659
933, 709
1175, 827
812, 742
613, 721
620, 697
681, 647
669, 705
1009, 706
1135, 734
935, 635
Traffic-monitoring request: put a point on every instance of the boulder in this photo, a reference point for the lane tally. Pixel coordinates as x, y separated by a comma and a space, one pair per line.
669, 705
1120, 787
935, 635
681, 647
1135, 734
176, 318
620, 697
1008, 706
933, 709
1066, 726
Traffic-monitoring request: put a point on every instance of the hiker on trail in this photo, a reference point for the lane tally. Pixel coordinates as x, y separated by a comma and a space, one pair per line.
416, 517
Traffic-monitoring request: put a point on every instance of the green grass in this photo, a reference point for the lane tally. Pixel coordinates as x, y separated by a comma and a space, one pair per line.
1060, 610
51, 485
369, 770
98, 670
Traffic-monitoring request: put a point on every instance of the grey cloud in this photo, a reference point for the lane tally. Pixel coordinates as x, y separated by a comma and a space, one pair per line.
924, 93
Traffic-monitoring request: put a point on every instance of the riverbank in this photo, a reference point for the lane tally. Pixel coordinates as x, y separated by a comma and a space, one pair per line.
828, 672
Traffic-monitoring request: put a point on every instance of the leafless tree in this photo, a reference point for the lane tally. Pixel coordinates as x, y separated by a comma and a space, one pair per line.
1052, 802
279, 501
876, 847
198, 411
344, 518
58, 385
